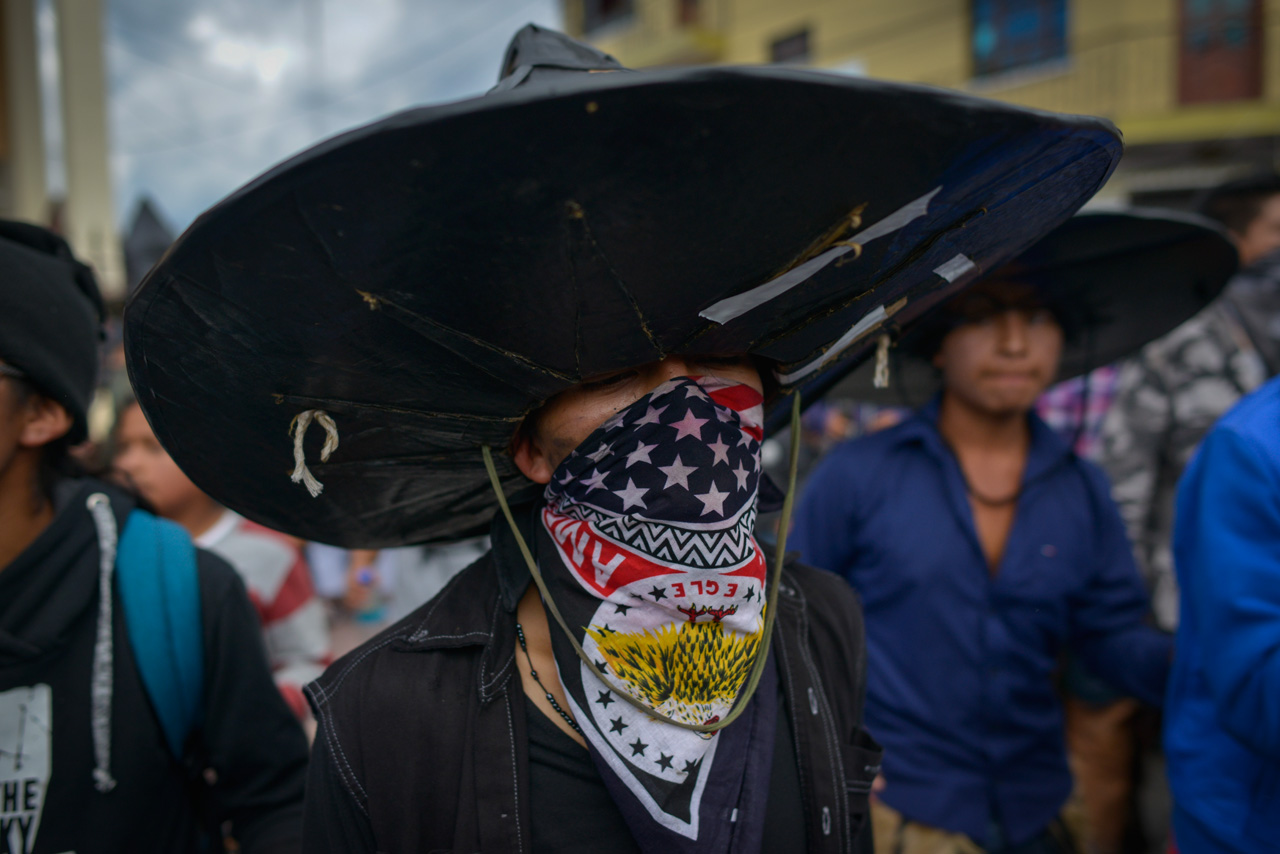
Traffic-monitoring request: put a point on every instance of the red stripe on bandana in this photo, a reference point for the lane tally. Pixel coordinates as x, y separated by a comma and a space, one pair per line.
737, 397
600, 563
744, 400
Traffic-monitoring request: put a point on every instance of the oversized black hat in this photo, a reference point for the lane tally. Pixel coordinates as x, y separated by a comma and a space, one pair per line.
1114, 279
419, 285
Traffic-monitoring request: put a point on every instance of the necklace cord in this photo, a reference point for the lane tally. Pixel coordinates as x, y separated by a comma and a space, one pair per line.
770, 609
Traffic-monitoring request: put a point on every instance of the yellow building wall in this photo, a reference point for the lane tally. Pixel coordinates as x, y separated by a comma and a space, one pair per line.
1122, 55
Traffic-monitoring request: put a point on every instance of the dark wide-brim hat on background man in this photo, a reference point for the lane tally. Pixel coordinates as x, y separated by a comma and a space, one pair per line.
1114, 280
424, 282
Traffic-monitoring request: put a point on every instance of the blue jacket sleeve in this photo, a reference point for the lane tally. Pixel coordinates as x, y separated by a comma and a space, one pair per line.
1108, 616
825, 523
1227, 553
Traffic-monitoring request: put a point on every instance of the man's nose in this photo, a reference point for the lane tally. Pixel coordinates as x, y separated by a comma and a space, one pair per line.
674, 366
1013, 328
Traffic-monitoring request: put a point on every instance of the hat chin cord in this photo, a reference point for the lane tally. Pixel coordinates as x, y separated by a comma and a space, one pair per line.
770, 611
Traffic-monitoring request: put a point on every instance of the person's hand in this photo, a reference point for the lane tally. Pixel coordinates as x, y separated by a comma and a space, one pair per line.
362, 580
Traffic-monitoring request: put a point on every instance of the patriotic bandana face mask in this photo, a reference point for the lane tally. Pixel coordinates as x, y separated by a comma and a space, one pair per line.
652, 519
648, 564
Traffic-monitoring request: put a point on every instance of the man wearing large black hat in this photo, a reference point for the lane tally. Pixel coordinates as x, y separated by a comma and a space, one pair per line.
579, 298
983, 548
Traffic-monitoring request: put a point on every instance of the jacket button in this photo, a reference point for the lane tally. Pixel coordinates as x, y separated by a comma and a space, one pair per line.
813, 702
826, 821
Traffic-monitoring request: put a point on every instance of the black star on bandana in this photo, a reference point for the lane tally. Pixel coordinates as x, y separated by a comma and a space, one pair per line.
622, 609
602, 666
658, 593
605, 699
750, 593
618, 726
689, 767
637, 748
665, 762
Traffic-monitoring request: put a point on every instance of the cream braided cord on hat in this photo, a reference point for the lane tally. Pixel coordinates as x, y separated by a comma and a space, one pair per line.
298, 428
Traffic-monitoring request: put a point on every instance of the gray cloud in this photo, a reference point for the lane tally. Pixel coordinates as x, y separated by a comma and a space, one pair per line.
205, 95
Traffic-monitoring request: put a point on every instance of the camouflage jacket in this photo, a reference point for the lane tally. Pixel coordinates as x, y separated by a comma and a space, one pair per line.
1167, 398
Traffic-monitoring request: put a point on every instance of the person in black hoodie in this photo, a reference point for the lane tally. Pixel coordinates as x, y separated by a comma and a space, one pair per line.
90, 758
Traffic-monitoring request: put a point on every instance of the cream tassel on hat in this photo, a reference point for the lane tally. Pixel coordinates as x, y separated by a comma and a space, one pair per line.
298, 428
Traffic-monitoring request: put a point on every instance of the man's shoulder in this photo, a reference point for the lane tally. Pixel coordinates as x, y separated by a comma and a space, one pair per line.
856, 457
813, 582
1254, 420
826, 598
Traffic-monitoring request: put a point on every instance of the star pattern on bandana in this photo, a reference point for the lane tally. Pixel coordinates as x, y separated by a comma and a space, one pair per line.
676, 446
677, 473
631, 495
713, 500
594, 481
688, 426
653, 416
721, 451
640, 454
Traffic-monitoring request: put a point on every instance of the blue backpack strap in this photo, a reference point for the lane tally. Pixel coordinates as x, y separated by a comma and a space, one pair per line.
160, 592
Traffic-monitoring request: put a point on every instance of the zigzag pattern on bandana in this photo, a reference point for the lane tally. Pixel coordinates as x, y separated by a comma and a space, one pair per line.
719, 549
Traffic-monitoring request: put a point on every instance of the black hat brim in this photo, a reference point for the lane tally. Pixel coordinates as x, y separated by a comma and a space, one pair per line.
430, 279
1116, 280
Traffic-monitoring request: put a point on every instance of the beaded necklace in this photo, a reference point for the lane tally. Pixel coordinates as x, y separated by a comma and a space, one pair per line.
534, 673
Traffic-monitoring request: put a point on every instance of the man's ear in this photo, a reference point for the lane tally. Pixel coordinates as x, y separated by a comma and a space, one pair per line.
530, 458
45, 421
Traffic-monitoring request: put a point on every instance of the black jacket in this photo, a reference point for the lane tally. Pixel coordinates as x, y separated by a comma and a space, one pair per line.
49, 625
422, 743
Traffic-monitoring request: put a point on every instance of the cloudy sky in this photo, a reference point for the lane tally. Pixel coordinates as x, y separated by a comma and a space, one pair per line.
205, 94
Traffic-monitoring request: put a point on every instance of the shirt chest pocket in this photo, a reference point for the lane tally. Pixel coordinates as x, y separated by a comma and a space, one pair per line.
1038, 588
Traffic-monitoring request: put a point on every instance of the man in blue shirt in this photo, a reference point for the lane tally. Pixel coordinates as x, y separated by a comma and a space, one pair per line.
1222, 721
982, 548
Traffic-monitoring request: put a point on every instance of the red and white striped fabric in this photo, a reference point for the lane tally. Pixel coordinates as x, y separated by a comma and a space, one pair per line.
294, 625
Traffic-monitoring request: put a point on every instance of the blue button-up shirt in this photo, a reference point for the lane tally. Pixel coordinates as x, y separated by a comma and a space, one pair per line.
961, 662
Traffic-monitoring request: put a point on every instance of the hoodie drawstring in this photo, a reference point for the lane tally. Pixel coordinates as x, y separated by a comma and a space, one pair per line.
102, 686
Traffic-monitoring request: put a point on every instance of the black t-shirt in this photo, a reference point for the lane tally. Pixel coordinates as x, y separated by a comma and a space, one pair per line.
572, 812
